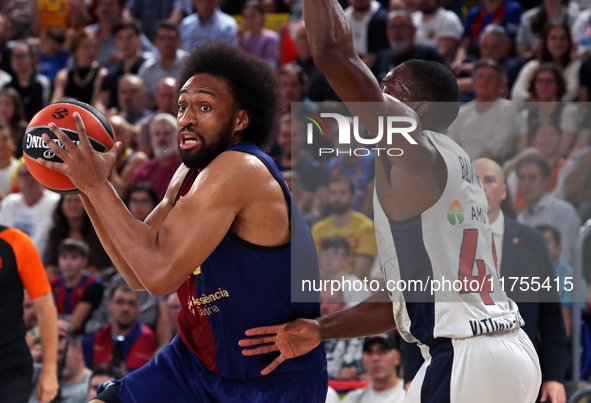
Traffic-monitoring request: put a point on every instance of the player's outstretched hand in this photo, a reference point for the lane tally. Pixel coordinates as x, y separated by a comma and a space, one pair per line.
291, 339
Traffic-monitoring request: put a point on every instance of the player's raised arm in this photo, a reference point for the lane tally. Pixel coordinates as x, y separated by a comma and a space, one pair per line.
331, 43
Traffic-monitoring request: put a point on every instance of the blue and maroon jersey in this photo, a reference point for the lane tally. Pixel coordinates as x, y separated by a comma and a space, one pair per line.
138, 347
241, 286
88, 289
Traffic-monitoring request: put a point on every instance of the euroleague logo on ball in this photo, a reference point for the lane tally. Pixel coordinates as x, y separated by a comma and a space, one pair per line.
60, 113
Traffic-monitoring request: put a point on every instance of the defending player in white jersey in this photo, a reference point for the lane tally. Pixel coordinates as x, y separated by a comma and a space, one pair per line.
430, 215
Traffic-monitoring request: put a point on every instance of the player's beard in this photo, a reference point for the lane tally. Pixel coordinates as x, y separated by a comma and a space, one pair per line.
429, 10
206, 153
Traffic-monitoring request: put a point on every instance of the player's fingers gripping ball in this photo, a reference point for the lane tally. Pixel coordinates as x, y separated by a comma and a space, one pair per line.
98, 129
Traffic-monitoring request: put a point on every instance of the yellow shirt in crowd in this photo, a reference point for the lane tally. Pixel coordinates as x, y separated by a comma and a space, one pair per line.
359, 232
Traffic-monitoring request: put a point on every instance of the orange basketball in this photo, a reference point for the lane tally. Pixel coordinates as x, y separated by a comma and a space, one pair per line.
99, 130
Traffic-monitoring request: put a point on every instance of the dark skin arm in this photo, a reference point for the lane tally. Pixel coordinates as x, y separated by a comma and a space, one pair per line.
296, 338
331, 44
419, 176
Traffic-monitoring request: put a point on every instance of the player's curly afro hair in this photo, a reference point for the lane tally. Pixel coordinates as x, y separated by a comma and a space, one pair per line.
253, 84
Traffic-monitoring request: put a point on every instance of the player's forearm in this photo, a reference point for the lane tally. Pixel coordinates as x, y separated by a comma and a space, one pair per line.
110, 247
47, 314
137, 242
329, 34
372, 316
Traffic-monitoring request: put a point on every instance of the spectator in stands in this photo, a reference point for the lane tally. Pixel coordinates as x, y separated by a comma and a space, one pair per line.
534, 172
75, 377
160, 169
127, 38
174, 307
361, 170
166, 103
170, 61
545, 90
581, 35
109, 13
333, 259
254, 38
291, 140
54, 13
207, 24
343, 356
30, 209
494, 44
294, 83
8, 164
152, 312
437, 28
33, 88
556, 48
380, 361
546, 144
368, 20
533, 22
577, 184
506, 13
132, 98
565, 274
354, 226
29, 312
128, 160
23, 17
101, 374
52, 56
401, 36
69, 220
151, 12
4, 47
488, 126
319, 89
124, 342
141, 199
83, 80
12, 113
76, 292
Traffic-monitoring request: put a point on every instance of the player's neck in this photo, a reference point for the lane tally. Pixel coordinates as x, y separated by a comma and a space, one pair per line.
385, 384
342, 220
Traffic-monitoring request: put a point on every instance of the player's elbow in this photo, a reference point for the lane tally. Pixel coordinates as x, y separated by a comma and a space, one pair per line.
162, 283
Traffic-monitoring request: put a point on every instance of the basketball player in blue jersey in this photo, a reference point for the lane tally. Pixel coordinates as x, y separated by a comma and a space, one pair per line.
221, 237
473, 346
